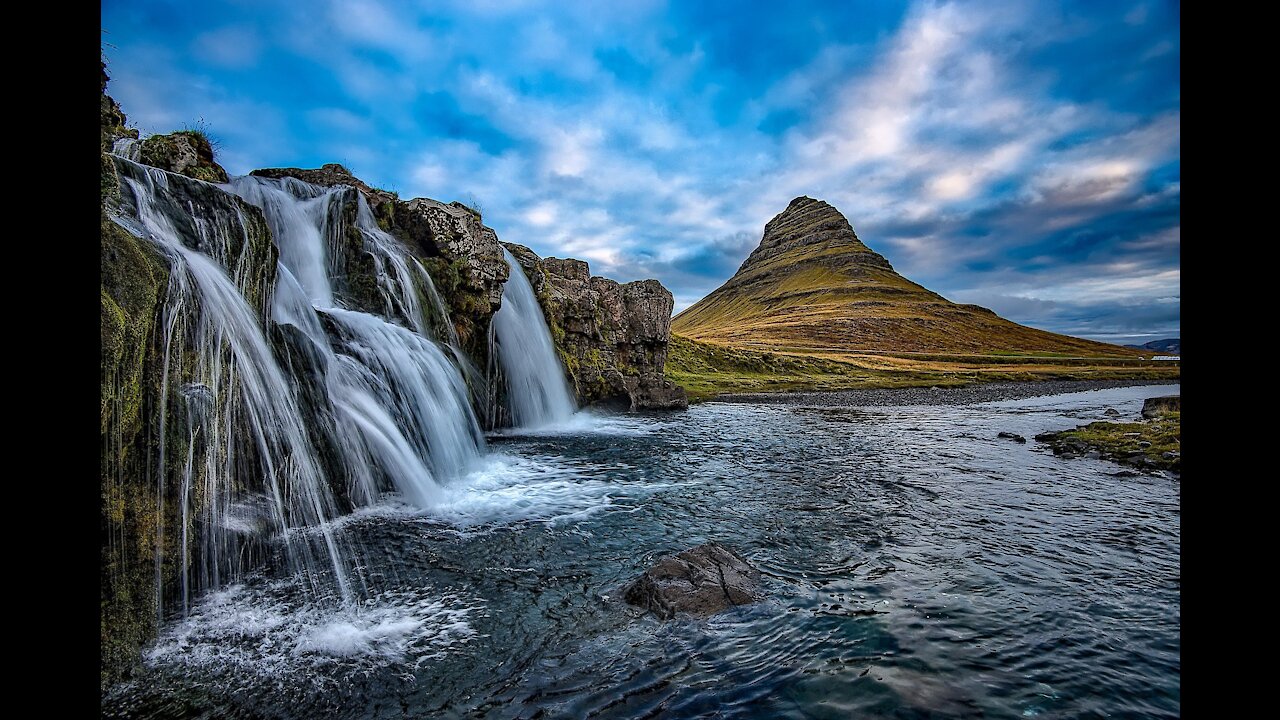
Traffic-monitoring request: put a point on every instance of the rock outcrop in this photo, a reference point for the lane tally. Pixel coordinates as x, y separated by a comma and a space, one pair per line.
1153, 444
1157, 406
113, 120
700, 581
186, 152
612, 337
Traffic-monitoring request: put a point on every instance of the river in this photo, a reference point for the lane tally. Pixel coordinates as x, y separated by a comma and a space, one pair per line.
915, 565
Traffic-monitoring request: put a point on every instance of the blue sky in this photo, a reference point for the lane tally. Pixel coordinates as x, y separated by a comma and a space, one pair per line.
1024, 156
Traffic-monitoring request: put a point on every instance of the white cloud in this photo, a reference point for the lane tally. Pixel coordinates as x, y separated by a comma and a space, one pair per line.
234, 46
544, 214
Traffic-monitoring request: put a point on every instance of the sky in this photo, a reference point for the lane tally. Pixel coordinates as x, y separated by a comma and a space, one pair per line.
1024, 156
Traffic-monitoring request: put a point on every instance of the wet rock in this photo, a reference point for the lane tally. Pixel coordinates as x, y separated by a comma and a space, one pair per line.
460, 253
1012, 436
700, 581
612, 337
1111, 412
1157, 406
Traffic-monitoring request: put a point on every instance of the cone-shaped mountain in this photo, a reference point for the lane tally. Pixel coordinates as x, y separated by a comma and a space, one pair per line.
812, 284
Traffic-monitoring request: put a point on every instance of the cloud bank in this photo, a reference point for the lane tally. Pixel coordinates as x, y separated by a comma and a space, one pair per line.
1022, 156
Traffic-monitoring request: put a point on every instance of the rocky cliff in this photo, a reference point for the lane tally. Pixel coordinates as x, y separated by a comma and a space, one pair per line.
611, 337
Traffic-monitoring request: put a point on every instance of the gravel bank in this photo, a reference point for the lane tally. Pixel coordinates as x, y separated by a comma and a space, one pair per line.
935, 396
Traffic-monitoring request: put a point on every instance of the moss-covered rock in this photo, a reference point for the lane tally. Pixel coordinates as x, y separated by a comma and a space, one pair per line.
186, 152
133, 281
1152, 444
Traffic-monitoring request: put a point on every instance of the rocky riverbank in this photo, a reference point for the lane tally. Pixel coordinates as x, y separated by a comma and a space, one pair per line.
1153, 443
966, 395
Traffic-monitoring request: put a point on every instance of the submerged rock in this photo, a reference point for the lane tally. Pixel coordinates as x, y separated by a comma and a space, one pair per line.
1012, 436
1111, 412
1157, 406
701, 581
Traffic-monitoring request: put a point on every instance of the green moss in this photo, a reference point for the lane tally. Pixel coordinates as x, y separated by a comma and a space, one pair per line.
133, 278
133, 281
1140, 443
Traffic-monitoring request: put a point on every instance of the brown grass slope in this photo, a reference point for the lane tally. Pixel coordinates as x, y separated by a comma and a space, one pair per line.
813, 286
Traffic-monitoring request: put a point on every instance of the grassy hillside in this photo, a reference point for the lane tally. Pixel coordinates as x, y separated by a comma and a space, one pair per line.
709, 369
812, 286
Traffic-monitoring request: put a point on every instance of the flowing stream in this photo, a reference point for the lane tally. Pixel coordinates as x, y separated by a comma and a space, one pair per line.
915, 565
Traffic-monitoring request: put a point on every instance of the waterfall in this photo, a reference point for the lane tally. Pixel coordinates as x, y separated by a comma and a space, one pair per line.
127, 148
538, 393
401, 407
281, 404
238, 400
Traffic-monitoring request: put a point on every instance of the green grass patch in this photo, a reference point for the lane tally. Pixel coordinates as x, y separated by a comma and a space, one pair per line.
1140, 443
705, 370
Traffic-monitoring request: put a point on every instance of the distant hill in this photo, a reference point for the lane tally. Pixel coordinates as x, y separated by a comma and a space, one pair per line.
813, 286
1172, 346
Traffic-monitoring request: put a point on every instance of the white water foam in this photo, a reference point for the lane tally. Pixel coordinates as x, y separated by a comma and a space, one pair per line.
264, 631
587, 422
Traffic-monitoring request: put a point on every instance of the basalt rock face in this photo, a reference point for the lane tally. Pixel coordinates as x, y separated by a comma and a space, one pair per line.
461, 254
612, 337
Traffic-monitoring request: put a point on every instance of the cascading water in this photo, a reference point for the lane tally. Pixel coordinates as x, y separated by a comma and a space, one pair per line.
401, 407
127, 148
272, 407
538, 393
239, 402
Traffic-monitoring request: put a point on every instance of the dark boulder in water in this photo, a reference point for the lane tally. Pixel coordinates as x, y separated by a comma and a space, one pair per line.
701, 581
1012, 436
1157, 406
